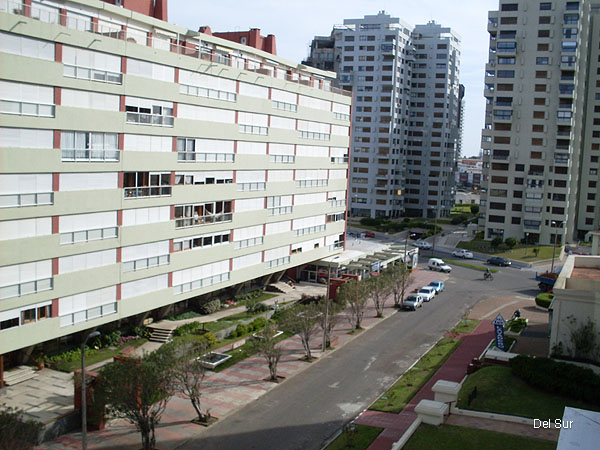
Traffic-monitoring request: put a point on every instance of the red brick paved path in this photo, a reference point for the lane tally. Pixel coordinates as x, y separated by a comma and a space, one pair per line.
454, 369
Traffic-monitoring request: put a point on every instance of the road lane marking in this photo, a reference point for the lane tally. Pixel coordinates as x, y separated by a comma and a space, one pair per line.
494, 311
373, 359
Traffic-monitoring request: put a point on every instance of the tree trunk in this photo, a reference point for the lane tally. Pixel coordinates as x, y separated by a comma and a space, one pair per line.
273, 370
196, 404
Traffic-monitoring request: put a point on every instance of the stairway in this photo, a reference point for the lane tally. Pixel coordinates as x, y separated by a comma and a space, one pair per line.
162, 335
18, 375
280, 286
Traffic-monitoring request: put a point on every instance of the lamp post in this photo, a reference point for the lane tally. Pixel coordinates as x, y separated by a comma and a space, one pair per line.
325, 320
84, 391
554, 222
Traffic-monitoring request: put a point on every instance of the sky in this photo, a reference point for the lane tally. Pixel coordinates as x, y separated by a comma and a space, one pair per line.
294, 24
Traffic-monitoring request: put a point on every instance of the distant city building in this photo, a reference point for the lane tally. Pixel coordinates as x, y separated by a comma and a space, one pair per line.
145, 166
541, 141
406, 112
469, 172
252, 38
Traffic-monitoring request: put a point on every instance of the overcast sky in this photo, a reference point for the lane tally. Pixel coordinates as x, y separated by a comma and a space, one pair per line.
295, 23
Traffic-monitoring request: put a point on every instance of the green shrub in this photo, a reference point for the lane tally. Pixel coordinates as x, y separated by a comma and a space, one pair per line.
459, 219
210, 306
186, 329
370, 222
479, 235
240, 330
17, 432
259, 323
496, 242
141, 331
209, 339
70, 355
510, 242
544, 300
557, 377
474, 209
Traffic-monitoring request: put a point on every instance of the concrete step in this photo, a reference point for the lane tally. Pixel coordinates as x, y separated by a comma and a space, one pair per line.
18, 375
161, 335
280, 286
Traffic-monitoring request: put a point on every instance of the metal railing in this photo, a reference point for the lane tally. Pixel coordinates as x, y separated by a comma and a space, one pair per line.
197, 284
341, 116
277, 262
251, 242
314, 135
251, 186
285, 106
150, 119
284, 159
145, 263
311, 183
337, 203
208, 93
88, 235
205, 157
254, 129
20, 200
202, 220
309, 230
339, 159
279, 210
26, 108
79, 155
86, 73
150, 191
88, 314
28, 287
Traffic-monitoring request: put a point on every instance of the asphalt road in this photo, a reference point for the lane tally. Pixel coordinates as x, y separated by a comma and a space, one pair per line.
305, 411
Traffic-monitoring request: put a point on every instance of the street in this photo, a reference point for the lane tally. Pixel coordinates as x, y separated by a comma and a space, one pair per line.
305, 411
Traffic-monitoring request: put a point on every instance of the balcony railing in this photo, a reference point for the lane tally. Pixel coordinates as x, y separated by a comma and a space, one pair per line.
251, 242
339, 159
202, 220
251, 186
145, 263
205, 157
337, 203
20, 200
284, 159
88, 314
155, 120
254, 129
311, 183
84, 155
86, 73
285, 106
197, 284
149, 191
279, 210
314, 135
277, 262
29, 287
88, 235
208, 93
309, 230
26, 108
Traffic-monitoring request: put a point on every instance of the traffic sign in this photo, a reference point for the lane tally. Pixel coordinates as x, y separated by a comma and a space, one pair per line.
499, 320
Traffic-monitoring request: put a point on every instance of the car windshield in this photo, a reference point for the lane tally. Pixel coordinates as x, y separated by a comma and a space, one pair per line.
425, 290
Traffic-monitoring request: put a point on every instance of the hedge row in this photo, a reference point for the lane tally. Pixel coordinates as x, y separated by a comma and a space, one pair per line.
544, 300
557, 377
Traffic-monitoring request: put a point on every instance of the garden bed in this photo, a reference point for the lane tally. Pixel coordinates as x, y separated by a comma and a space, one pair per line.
213, 359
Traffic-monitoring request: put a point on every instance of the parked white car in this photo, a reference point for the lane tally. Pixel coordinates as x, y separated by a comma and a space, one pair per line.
427, 292
463, 254
413, 301
439, 265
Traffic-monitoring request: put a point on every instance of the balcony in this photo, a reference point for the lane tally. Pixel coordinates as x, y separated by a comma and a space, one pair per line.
30, 287
205, 157
85, 155
26, 108
147, 191
150, 119
202, 220
21, 200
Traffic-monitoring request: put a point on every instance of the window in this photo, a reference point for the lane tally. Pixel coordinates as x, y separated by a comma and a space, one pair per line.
571, 19
506, 74
544, 20
87, 227
545, 6
507, 34
570, 33
22, 279
506, 60
149, 112
200, 276
542, 60
26, 99
569, 46
509, 7
572, 6
543, 33
19, 190
203, 240
145, 256
24, 46
202, 214
201, 85
91, 65
87, 305
88, 146
146, 184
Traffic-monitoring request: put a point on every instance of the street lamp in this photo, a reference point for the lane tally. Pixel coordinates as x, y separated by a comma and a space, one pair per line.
83, 391
555, 222
327, 303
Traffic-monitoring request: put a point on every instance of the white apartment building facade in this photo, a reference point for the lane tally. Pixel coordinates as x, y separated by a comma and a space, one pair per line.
405, 116
143, 164
540, 148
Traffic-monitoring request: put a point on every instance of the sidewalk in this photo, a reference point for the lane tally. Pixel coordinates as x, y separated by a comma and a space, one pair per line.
454, 369
226, 391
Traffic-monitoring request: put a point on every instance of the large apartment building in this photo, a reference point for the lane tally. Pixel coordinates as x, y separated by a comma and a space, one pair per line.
406, 112
542, 136
143, 164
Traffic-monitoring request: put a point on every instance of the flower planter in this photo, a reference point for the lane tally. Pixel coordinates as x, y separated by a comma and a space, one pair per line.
213, 359
277, 333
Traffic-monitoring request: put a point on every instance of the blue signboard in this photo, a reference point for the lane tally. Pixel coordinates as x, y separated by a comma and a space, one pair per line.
376, 266
499, 323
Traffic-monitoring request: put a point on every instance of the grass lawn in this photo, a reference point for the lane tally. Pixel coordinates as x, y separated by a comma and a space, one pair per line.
501, 392
461, 209
241, 353
396, 398
467, 265
95, 356
359, 439
450, 437
465, 326
520, 252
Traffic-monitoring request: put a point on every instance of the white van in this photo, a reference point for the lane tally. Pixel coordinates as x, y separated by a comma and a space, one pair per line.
439, 265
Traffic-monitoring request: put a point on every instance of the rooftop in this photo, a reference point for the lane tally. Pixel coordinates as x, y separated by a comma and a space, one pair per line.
580, 273
586, 273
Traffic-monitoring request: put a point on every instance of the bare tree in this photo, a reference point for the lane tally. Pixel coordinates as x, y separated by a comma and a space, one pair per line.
353, 295
265, 344
329, 318
401, 277
188, 377
301, 320
379, 289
